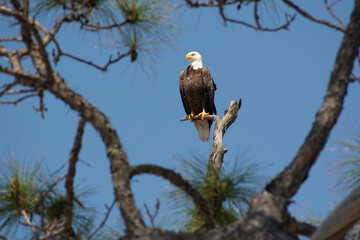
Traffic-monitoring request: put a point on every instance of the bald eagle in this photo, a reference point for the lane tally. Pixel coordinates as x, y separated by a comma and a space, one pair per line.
197, 90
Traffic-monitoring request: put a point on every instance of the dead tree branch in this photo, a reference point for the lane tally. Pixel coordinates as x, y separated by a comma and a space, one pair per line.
221, 125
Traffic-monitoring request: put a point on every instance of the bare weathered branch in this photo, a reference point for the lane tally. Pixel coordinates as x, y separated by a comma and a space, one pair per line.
221, 125
178, 181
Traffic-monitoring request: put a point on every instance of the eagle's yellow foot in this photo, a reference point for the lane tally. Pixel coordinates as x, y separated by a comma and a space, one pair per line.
189, 116
203, 114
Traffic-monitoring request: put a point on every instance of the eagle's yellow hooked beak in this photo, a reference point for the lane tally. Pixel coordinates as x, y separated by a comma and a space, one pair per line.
188, 56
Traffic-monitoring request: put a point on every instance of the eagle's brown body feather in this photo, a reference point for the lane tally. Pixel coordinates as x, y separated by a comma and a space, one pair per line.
197, 90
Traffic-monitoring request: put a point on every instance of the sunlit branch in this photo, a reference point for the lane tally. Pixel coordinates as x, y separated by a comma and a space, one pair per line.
14, 39
221, 125
23, 212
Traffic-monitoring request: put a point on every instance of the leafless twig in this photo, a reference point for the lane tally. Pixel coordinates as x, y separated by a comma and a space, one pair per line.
153, 216
102, 68
328, 7
310, 17
104, 220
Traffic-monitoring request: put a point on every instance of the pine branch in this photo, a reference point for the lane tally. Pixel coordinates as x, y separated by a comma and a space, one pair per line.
178, 181
73, 158
289, 181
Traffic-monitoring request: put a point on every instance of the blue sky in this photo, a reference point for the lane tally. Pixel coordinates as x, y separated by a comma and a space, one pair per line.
281, 77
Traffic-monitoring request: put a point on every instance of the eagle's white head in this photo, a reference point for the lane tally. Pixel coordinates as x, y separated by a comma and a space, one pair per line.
194, 59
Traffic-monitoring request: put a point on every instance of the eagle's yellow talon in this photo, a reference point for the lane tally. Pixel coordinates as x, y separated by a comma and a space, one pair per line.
203, 114
189, 116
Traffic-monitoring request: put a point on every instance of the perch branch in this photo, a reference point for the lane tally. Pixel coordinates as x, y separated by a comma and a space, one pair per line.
221, 125
216, 158
178, 181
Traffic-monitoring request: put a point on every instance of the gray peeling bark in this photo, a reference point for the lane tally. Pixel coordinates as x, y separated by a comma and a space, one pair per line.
221, 125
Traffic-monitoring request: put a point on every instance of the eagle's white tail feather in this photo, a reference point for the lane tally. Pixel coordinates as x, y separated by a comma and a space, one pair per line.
203, 129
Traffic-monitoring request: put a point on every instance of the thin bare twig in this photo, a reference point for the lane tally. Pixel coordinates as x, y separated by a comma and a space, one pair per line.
14, 102
102, 68
328, 7
46, 194
153, 216
104, 220
312, 18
